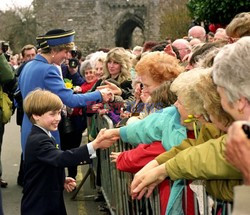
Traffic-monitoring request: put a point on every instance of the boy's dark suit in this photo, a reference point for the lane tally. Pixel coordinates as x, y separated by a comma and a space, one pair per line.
44, 173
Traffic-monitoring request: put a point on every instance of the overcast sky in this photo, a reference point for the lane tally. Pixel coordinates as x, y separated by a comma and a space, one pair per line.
6, 4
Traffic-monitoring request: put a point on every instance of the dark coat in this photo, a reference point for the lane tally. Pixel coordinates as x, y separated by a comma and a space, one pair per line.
44, 173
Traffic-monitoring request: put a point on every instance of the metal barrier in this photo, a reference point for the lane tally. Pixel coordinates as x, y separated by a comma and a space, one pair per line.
115, 185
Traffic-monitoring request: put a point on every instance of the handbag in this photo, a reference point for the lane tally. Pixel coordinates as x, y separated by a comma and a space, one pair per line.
6, 106
66, 124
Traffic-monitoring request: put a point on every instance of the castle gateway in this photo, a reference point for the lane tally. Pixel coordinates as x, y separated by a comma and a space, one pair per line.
102, 23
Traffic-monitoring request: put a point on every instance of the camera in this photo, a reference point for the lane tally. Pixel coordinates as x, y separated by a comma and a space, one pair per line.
74, 62
4, 46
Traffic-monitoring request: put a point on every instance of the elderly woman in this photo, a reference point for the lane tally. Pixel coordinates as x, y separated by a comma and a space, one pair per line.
99, 64
155, 68
231, 75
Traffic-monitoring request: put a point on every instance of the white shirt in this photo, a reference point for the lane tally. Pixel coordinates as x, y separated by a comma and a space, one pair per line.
92, 152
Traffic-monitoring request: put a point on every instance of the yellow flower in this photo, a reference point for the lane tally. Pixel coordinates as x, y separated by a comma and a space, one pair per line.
68, 85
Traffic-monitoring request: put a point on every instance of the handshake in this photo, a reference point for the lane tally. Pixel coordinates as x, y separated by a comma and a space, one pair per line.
106, 138
107, 95
109, 90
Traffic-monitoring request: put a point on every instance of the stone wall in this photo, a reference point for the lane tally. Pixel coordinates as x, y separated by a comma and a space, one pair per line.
101, 23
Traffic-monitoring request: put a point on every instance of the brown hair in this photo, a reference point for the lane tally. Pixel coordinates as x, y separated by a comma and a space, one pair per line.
121, 56
239, 26
211, 100
39, 102
162, 96
28, 47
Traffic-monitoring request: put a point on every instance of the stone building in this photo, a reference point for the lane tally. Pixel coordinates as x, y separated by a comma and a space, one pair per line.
102, 23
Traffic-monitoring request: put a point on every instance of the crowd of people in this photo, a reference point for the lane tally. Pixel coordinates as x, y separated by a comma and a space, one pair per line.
182, 104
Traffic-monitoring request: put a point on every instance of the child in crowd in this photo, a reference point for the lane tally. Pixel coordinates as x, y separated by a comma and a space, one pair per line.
44, 163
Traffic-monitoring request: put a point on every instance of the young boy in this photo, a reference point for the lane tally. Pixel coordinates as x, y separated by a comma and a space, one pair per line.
44, 177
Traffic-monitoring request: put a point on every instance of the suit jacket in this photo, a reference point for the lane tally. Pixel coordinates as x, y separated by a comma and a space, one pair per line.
38, 73
44, 173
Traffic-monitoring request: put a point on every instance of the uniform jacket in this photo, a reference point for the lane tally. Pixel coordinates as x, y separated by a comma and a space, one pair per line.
44, 173
40, 74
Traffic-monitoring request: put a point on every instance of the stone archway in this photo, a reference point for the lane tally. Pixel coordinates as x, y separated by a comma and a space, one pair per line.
125, 31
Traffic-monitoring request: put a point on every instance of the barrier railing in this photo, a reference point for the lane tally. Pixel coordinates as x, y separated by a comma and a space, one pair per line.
115, 186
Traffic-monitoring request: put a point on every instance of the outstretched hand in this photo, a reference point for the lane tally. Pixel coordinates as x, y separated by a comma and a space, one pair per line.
108, 85
107, 95
144, 184
114, 156
237, 150
105, 139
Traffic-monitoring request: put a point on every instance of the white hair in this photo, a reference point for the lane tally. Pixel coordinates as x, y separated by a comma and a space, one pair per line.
231, 69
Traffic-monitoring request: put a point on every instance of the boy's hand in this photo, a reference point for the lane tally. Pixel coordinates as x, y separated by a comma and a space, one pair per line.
106, 138
103, 111
69, 184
